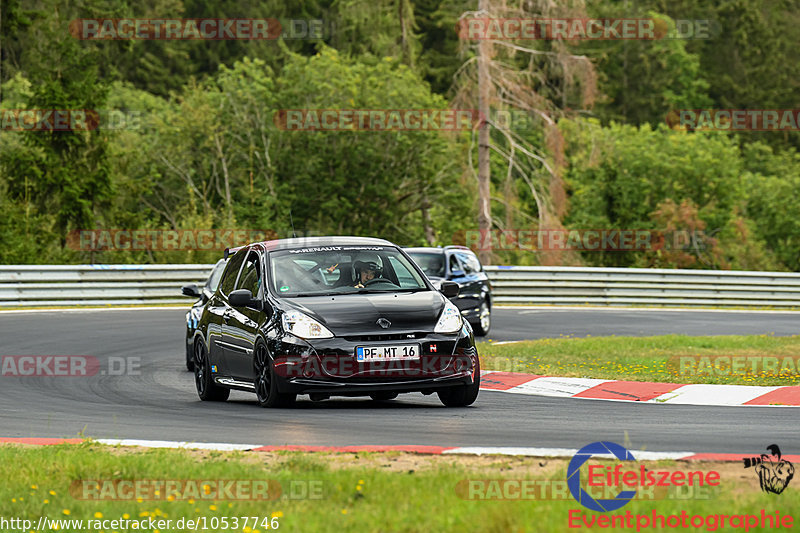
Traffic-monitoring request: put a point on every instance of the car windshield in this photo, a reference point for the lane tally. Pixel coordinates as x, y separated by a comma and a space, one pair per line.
327, 270
216, 274
430, 263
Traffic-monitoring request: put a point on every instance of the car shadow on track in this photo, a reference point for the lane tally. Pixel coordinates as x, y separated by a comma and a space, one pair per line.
356, 404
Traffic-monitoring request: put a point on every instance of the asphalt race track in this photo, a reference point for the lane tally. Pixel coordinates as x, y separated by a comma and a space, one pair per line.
160, 403
514, 324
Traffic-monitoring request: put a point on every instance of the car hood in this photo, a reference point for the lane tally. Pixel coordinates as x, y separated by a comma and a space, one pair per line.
358, 314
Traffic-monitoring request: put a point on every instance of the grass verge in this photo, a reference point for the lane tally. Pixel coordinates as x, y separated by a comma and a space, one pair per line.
355, 492
654, 358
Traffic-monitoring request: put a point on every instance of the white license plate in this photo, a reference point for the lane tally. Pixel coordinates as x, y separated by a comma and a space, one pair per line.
387, 353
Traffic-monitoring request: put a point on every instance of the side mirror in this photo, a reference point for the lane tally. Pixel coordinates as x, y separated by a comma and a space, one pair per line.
449, 289
191, 290
244, 298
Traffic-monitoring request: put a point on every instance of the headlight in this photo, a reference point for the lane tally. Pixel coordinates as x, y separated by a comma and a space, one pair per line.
304, 326
450, 320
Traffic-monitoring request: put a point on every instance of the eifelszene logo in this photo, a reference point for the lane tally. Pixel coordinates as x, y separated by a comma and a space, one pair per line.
574, 476
634, 477
774, 472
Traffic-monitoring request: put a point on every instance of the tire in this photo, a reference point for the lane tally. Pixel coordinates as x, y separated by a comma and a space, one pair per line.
383, 396
463, 395
189, 353
484, 323
207, 390
266, 385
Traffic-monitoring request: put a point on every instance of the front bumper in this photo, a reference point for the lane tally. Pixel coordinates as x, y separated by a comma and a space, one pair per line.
329, 366
361, 388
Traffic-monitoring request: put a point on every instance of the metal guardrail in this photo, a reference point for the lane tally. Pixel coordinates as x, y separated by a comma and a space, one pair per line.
47, 285
642, 286
53, 285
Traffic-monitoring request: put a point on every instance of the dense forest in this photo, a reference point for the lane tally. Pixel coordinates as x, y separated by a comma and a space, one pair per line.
190, 134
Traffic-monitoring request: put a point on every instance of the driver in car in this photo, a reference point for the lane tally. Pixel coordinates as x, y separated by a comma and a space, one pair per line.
365, 272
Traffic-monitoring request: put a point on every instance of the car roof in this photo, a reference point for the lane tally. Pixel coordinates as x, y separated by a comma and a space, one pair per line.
420, 249
310, 242
437, 249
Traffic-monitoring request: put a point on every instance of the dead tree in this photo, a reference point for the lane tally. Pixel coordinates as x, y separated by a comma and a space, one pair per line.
539, 79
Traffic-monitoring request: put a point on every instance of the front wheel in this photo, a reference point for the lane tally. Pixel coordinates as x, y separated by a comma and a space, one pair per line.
207, 390
266, 385
484, 323
463, 395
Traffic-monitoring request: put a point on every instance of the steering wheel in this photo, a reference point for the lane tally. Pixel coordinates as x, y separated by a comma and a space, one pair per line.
377, 280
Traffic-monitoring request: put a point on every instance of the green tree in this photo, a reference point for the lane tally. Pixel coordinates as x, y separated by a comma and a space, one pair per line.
63, 173
366, 182
643, 80
620, 177
772, 182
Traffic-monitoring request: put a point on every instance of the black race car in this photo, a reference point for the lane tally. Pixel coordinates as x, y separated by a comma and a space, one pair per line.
458, 264
332, 316
193, 315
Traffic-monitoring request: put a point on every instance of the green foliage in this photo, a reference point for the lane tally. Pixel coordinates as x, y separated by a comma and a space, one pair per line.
643, 80
59, 177
750, 61
623, 177
200, 148
621, 173
772, 182
393, 172
212, 157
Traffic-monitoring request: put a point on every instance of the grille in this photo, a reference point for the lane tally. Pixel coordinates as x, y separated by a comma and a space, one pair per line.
388, 337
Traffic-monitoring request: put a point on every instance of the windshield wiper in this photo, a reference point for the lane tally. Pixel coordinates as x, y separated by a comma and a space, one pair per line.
390, 291
308, 295
417, 289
